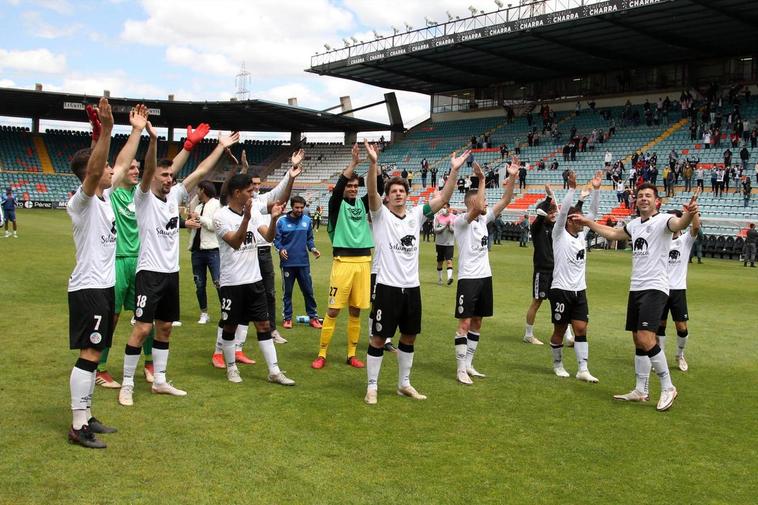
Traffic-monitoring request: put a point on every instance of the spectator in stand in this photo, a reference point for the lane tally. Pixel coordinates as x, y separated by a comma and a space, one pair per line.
554, 164
687, 174
404, 174
294, 240
727, 157
424, 172
699, 178
707, 139
565, 176
470, 160
573, 151
410, 180
747, 190
523, 225
748, 253
697, 250
720, 172
503, 151
620, 190
461, 183
433, 171
754, 137
522, 176
608, 158
566, 152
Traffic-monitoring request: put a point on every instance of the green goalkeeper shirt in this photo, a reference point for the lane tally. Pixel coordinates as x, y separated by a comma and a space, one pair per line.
127, 237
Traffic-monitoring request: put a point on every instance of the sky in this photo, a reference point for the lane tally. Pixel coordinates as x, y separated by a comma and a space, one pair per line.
194, 49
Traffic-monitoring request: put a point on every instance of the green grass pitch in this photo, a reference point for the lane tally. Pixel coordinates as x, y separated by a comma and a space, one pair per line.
521, 435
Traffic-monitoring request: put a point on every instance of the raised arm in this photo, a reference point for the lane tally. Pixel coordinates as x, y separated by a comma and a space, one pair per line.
94, 121
99, 157
138, 120
596, 183
680, 223
695, 224
193, 138
151, 159
510, 182
205, 166
282, 191
456, 162
269, 231
604, 231
354, 162
374, 199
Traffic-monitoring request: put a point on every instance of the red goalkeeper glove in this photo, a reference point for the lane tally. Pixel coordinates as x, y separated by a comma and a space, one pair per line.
94, 120
194, 137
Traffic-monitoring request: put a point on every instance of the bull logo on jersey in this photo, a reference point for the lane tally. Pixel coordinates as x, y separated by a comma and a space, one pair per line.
640, 244
674, 255
248, 238
408, 240
580, 255
484, 240
172, 223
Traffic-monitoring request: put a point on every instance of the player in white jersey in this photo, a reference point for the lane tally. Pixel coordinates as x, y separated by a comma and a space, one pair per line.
243, 297
156, 203
679, 255
473, 299
280, 193
444, 242
568, 289
650, 235
388, 345
91, 296
397, 301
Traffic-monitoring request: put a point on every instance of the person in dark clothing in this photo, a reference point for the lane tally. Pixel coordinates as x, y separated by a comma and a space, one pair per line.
751, 240
433, 171
522, 177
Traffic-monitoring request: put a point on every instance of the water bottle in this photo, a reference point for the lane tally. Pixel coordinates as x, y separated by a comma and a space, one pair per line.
303, 319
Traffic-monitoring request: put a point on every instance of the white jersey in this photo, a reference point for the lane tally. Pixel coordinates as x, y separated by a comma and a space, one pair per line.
473, 256
679, 257
570, 261
238, 266
95, 240
650, 252
397, 246
375, 259
443, 235
158, 222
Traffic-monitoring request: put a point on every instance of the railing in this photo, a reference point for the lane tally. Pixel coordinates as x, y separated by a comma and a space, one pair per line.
478, 24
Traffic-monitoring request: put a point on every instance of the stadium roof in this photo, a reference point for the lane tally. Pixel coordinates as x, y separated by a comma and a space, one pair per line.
247, 115
493, 48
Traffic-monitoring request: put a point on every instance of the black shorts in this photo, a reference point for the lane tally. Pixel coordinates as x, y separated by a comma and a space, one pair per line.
157, 296
677, 304
244, 303
473, 298
567, 306
541, 282
90, 318
444, 252
396, 308
644, 309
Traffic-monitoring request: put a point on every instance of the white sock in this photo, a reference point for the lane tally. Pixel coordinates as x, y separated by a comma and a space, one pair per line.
91, 394
557, 355
460, 352
472, 341
160, 362
228, 349
681, 342
529, 330
404, 365
373, 366
219, 340
269, 354
661, 367
449, 273
439, 274
642, 367
240, 336
582, 351
130, 366
79, 384
662, 342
